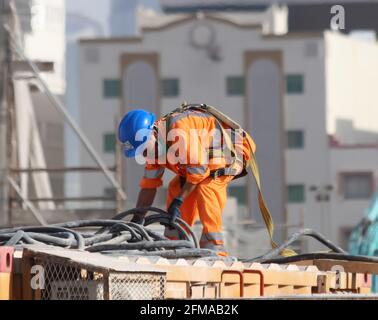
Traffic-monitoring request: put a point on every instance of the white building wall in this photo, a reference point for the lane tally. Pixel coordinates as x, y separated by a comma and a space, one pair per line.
352, 79
306, 111
346, 214
46, 42
97, 115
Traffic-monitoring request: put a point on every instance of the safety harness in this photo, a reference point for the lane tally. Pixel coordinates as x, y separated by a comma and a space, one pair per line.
221, 119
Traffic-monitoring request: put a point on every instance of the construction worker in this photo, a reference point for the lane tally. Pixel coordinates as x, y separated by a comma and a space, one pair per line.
202, 167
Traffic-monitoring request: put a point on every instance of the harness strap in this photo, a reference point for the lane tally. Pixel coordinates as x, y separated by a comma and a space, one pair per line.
251, 163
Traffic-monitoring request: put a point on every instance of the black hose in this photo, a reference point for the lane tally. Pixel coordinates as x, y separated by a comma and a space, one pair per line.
320, 255
184, 230
52, 229
118, 227
143, 245
15, 238
117, 240
156, 236
133, 211
51, 240
161, 217
296, 236
25, 238
132, 227
168, 254
112, 235
97, 239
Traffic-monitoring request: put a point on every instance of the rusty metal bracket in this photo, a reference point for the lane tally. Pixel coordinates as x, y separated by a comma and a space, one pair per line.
241, 280
262, 284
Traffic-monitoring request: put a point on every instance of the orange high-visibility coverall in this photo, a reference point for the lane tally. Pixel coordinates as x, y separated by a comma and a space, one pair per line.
208, 199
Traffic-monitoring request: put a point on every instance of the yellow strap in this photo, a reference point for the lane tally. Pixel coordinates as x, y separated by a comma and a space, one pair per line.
252, 163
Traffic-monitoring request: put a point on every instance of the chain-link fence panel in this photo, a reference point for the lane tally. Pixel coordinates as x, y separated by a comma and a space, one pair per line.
143, 286
70, 282
65, 282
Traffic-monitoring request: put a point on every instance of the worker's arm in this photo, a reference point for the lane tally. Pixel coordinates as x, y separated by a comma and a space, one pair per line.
174, 208
146, 198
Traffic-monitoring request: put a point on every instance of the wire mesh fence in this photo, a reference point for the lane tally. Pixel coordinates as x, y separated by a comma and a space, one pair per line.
71, 282
136, 287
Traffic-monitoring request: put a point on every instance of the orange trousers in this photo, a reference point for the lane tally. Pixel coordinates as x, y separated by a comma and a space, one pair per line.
206, 202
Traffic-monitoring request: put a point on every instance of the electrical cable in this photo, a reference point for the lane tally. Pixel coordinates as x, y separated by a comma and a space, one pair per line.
295, 237
318, 255
112, 235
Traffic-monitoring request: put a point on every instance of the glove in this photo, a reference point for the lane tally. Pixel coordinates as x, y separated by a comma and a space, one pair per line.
138, 219
174, 209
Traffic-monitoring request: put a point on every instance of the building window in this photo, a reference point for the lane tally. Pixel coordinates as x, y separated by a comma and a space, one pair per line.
112, 88
170, 88
296, 193
358, 185
238, 192
295, 139
109, 143
235, 86
294, 83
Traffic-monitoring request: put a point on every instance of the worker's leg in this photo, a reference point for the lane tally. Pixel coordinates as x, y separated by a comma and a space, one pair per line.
211, 198
189, 212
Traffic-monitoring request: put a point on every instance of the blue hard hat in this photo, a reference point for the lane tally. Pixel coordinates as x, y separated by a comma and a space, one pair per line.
131, 123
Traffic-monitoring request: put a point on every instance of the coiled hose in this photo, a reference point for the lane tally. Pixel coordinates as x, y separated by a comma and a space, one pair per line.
113, 236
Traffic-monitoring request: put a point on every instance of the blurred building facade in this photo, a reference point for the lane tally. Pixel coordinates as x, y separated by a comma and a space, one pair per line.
45, 40
43, 29
78, 25
291, 91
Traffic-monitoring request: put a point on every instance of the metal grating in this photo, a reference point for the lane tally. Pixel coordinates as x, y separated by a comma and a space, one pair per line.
65, 282
69, 282
137, 286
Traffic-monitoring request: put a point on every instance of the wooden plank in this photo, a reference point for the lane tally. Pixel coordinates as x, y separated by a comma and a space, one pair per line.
291, 278
17, 275
286, 290
230, 290
6, 285
191, 274
27, 291
176, 290
251, 290
301, 290
271, 290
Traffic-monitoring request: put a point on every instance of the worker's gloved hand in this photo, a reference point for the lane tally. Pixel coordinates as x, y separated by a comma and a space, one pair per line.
174, 209
138, 218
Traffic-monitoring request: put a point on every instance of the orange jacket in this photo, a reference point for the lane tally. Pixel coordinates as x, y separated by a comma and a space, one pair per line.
194, 162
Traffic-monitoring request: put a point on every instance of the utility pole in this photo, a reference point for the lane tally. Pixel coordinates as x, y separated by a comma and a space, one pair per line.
5, 61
